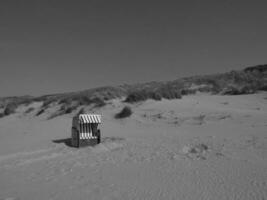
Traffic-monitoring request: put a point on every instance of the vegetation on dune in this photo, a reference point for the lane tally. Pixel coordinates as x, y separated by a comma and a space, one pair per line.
81, 111
10, 109
29, 110
125, 112
41, 111
247, 81
64, 109
256, 69
157, 95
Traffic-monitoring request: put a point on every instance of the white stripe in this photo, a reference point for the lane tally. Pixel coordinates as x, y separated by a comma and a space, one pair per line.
84, 119
87, 136
95, 117
88, 118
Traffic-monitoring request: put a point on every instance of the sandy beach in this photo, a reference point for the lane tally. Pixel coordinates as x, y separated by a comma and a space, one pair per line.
198, 147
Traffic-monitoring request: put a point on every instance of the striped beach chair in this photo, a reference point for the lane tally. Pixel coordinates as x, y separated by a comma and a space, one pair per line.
85, 130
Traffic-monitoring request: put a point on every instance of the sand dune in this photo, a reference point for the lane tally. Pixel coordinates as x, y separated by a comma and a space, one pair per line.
197, 147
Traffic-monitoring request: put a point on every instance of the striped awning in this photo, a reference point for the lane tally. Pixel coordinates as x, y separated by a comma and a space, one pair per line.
84, 136
89, 118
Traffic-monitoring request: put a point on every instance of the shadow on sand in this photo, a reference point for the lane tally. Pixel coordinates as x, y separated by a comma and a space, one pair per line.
66, 141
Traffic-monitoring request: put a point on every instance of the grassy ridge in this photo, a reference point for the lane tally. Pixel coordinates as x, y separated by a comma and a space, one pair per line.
249, 80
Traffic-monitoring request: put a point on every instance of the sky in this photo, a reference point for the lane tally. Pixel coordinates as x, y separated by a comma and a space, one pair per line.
53, 46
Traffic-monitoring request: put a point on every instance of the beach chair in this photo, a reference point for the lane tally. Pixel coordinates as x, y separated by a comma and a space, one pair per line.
85, 130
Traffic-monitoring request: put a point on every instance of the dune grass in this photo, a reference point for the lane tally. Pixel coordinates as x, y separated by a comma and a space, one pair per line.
247, 81
125, 112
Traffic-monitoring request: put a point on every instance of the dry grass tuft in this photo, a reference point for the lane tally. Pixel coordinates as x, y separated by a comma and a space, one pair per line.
125, 112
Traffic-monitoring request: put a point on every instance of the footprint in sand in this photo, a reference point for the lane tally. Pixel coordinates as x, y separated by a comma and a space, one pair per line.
201, 151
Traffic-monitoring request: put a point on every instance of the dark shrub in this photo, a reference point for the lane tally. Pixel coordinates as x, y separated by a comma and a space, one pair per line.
10, 109
60, 112
125, 112
98, 102
84, 100
233, 90
2, 115
65, 109
188, 91
163, 92
170, 94
230, 90
156, 96
62, 107
135, 97
29, 110
184, 92
47, 102
247, 90
40, 112
81, 111
65, 101
69, 109
264, 88
259, 68
80, 99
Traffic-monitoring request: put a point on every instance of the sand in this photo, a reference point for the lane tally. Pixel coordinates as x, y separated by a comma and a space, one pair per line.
198, 147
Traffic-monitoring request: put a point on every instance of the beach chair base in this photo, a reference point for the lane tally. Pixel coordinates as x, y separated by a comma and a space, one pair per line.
87, 142
77, 142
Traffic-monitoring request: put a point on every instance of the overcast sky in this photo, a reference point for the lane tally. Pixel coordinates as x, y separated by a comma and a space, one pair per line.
54, 46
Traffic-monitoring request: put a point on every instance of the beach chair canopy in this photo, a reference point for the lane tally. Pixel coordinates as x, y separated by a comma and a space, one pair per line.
89, 118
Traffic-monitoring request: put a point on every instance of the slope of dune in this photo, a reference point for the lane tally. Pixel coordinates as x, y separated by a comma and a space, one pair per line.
247, 81
197, 147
